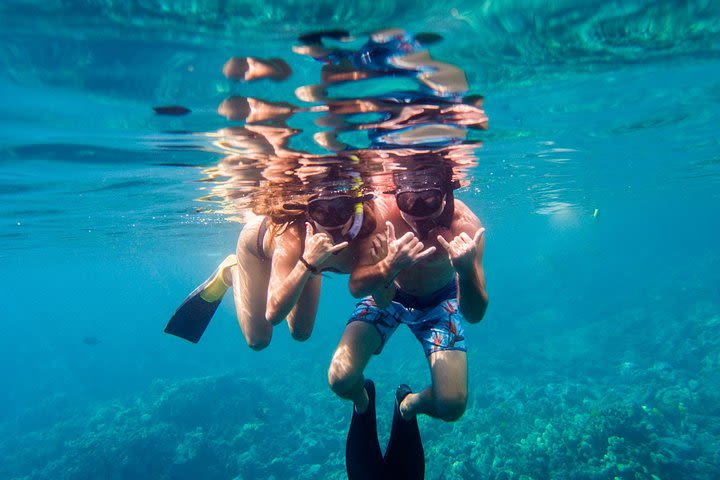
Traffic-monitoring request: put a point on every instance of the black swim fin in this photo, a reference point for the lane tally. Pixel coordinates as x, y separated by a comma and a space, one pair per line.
172, 110
427, 38
315, 38
405, 456
363, 457
195, 312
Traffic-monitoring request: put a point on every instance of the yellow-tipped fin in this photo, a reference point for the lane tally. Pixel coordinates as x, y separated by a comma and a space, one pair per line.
216, 287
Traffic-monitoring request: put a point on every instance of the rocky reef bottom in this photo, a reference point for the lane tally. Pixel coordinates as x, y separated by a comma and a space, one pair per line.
544, 417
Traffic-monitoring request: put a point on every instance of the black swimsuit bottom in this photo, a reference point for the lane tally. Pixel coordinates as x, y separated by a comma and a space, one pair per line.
448, 292
262, 229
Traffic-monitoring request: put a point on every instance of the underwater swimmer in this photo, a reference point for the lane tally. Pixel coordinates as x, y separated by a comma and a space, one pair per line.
248, 273
275, 271
341, 220
432, 270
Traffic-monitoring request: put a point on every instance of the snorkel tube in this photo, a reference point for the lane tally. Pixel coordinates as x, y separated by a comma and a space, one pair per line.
358, 215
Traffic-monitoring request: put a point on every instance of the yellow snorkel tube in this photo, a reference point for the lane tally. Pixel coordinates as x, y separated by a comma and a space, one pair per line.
358, 215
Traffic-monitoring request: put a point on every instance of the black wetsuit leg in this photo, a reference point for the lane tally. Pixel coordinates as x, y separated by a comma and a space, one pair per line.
363, 457
405, 456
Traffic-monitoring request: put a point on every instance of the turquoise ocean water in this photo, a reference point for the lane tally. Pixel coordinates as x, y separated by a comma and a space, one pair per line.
598, 182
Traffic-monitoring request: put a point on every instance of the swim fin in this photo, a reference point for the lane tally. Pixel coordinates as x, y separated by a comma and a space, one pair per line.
315, 38
363, 457
195, 312
405, 456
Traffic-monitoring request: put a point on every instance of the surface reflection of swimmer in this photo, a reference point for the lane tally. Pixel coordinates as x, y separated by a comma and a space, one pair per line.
432, 277
265, 130
437, 115
275, 273
254, 110
254, 140
239, 68
387, 52
413, 122
252, 68
428, 120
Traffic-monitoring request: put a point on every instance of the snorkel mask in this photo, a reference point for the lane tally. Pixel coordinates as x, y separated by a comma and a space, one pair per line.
425, 199
421, 202
331, 209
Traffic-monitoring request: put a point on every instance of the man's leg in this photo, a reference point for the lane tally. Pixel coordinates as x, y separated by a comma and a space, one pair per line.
358, 343
446, 398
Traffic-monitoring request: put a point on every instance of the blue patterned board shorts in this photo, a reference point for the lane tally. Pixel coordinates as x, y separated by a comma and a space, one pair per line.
437, 325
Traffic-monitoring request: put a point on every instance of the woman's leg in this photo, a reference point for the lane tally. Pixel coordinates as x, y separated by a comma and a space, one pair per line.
250, 278
301, 319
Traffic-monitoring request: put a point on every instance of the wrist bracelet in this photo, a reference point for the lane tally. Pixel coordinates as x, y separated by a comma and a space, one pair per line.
312, 268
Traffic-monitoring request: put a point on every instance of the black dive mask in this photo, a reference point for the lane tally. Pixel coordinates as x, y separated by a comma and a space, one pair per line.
421, 223
420, 203
332, 212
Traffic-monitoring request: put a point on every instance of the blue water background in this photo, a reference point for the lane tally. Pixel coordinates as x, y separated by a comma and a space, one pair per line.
98, 240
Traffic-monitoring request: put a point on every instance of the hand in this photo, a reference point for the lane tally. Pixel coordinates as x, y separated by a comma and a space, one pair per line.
461, 114
319, 247
379, 248
311, 93
463, 250
405, 251
378, 251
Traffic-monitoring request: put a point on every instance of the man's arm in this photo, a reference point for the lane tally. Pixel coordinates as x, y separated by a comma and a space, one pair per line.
367, 279
465, 254
472, 295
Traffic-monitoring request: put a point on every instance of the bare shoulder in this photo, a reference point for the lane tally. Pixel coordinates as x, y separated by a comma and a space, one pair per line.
289, 240
464, 219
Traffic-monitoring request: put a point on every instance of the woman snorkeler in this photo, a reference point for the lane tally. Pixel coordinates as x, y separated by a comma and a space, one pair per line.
280, 254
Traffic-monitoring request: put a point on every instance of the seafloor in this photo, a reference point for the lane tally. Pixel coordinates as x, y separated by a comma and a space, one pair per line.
554, 411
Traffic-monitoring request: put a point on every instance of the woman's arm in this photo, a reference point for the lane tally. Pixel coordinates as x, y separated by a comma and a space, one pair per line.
292, 269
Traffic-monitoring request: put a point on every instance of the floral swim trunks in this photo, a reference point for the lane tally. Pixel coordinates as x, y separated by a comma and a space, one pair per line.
435, 320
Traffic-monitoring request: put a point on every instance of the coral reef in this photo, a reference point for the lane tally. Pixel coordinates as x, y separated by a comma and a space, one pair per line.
643, 418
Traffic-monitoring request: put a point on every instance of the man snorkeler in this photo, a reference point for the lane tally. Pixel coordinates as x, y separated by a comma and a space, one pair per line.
432, 277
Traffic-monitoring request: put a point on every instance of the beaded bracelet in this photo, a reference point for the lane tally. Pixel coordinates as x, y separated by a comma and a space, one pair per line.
312, 268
